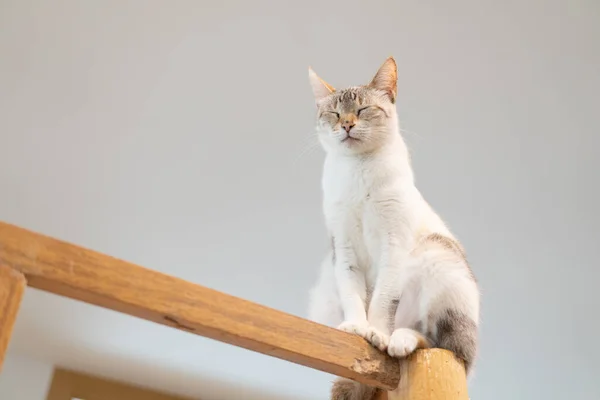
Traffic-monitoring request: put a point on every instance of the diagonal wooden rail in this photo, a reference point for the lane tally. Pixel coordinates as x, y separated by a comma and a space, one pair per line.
78, 273
81, 274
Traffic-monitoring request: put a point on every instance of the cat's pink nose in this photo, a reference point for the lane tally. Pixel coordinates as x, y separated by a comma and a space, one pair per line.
347, 125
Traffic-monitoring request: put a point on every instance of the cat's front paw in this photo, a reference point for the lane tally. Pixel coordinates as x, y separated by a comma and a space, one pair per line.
377, 338
356, 328
402, 343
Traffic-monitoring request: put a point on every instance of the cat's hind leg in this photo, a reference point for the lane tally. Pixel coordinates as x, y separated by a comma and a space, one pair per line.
448, 302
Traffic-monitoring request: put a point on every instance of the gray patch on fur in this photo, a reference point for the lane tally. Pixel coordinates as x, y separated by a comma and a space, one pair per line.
333, 257
419, 327
456, 332
392, 313
368, 296
348, 99
451, 245
393, 307
345, 389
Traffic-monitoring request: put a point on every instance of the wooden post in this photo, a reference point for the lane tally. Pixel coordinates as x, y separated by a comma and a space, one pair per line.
12, 286
432, 374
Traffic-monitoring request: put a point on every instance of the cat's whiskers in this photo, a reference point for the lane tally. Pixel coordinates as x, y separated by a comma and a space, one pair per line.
311, 144
411, 133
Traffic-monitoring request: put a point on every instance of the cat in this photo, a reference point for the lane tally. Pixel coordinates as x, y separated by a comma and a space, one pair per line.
395, 274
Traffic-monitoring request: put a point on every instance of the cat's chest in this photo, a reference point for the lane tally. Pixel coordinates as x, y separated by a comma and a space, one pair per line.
346, 183
346, 196
348, 215
351, 216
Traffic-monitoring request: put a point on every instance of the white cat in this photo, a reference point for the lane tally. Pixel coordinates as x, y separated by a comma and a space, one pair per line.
395, 274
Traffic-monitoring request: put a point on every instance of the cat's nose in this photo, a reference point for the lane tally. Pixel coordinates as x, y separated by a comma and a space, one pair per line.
347, 125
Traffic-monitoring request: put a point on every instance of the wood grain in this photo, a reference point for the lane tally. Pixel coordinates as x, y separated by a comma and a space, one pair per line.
12, 286
78, 273
432, 374
67, 385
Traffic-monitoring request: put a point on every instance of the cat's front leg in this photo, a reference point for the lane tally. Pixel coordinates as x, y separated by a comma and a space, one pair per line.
394, 232
382, 308
352, 290
386, 295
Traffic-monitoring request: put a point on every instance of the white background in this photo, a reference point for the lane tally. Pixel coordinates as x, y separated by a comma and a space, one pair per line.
170, 134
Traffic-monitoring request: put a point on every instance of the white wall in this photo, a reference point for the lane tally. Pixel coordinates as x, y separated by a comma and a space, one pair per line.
168, 133
24, 378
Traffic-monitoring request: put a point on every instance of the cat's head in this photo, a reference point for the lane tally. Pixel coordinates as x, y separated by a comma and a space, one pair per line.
358, 119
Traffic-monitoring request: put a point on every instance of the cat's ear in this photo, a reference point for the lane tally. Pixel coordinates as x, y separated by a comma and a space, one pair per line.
386, 78
321, 89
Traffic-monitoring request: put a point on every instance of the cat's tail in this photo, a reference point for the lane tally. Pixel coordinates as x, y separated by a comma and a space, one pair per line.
346, 389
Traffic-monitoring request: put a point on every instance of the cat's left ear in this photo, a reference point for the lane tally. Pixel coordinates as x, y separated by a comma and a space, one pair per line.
386, 78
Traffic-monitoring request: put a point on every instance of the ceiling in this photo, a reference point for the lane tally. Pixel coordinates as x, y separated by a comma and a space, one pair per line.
178, 136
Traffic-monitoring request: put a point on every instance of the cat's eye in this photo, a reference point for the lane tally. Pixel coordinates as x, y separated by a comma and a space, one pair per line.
361, 110
334, 113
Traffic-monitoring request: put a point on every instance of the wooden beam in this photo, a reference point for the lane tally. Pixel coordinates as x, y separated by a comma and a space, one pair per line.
12, 286
432, 374
68, 270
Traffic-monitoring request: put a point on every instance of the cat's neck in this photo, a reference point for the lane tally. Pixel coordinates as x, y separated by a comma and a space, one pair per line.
392, 158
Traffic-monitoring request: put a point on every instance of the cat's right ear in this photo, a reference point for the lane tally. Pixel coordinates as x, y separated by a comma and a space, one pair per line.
321, 89
386, 78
